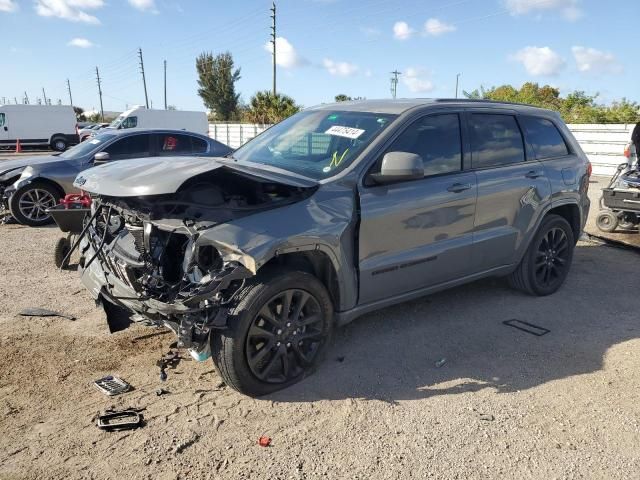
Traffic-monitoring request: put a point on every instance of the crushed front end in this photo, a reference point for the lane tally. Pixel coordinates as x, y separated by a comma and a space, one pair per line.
151, 256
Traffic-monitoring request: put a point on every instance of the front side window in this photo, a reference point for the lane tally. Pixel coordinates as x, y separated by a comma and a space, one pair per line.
544, 137
495, 140
133, 146
436, 139
130, 122
1, 119
316, 143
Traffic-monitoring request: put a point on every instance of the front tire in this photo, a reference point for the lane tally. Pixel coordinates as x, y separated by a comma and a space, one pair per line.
547, 261
276, 333
28, 204
60, 252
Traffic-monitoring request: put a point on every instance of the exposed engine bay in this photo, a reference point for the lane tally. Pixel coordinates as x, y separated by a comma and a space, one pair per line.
156, 262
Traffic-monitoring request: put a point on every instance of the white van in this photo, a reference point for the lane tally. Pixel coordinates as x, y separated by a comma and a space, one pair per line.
35, 125
141, 117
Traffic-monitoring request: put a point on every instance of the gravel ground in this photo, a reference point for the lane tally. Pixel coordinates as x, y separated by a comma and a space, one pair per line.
504, 403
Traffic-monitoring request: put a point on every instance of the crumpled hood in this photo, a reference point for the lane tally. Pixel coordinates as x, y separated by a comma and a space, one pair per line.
160, 176
5, 166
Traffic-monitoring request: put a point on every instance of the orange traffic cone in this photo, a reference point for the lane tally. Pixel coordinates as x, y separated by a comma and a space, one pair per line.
18, 147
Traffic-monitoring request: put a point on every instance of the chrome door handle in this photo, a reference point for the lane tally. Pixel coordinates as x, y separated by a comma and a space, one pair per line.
533, 174
459, 187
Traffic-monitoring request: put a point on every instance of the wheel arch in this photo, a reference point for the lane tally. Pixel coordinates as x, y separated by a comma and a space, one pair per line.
571, 213
50, 183
311, 260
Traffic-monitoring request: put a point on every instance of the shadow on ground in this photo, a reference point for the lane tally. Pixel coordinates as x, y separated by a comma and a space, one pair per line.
391, 355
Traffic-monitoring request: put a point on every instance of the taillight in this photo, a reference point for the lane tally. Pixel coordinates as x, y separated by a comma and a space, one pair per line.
589, 169
627, 151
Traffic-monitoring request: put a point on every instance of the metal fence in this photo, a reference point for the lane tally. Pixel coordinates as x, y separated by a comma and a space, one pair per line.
603, 144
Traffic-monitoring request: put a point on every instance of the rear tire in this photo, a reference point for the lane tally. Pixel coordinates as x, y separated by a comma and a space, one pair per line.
546, 263
607, 221
60, 252
59, 144
28, 203
265, 349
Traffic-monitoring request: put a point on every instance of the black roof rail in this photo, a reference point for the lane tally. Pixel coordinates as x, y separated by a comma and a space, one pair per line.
481, 100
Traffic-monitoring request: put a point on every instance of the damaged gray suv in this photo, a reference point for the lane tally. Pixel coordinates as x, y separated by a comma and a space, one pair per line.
339, 210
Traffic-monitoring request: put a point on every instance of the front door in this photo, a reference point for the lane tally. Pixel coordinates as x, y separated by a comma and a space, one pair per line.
418, 233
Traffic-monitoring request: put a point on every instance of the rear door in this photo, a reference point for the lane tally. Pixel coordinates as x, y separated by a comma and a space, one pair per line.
418, 233
512, 186
170, 144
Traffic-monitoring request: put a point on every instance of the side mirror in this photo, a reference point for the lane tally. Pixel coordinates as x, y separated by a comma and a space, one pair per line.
100, 157
398, 167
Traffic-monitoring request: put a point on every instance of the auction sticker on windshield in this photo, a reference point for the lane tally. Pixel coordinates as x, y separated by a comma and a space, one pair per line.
347, 132
95, 141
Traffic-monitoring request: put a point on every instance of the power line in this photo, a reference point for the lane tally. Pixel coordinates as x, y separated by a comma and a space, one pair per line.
273, 42
394, 83
69, 90
144, 80
100, 94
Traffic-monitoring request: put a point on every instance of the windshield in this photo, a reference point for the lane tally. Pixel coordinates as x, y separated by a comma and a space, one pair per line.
86, 147
317, 144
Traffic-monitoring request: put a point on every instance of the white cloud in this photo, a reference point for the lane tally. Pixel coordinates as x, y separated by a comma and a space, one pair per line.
80, 43
144, 4
286, 54
435, 27
590, 60
72, 10
8, 6
417, 80
539, 60
568, 8
402, 30
340, 69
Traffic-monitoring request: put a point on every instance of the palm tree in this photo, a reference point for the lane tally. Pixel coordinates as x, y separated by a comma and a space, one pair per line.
264, 107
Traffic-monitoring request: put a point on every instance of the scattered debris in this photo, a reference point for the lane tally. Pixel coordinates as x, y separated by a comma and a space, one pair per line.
111, 385
112, 420
527, 327
440, 362
187, 443
162, 391
43, 312
264, 441
171, 360
487, 417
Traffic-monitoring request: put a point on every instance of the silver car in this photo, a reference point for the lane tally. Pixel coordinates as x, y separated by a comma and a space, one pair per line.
29, 186
335, 212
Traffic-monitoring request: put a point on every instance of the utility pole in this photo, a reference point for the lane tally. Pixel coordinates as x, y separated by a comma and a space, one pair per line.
457, 78
44, 95
165, 84
100, 94
69, 90
394, 83
273, 42
144, 80
26, 98
15, 100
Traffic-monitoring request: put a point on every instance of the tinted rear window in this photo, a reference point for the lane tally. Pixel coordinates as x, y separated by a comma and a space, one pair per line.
495, 140
544, 137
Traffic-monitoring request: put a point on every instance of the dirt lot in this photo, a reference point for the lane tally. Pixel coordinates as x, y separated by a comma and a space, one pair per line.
505, 403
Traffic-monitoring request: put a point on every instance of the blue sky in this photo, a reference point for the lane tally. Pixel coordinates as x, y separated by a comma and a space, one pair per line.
325, 47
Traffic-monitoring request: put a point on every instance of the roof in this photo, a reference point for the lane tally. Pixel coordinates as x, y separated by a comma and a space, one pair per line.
402, 105
126, 131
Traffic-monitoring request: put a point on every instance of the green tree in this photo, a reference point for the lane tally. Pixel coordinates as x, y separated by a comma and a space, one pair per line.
79, 114
216, 81
264, 107
342, 98
576, 107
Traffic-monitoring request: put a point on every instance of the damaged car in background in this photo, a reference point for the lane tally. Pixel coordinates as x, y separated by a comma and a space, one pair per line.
337, 211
